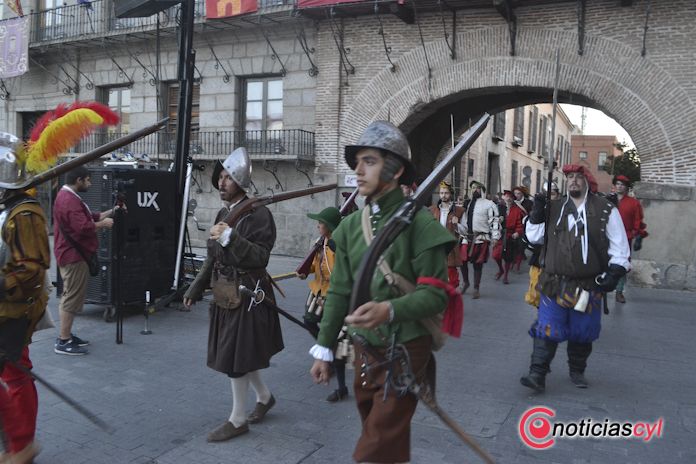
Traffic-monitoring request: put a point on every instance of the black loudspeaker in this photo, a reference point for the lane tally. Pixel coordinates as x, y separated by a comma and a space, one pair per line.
141, 8
147, 250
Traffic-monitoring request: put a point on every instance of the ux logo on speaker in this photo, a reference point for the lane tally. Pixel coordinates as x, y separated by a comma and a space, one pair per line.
147, 199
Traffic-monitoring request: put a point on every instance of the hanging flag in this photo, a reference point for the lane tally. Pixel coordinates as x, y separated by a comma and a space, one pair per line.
14, 47
226, 8
16, 6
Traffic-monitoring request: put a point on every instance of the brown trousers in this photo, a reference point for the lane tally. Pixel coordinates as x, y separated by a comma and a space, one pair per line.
386, 425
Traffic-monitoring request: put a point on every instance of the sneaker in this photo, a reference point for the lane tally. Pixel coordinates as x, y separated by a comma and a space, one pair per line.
69, 347
78, 340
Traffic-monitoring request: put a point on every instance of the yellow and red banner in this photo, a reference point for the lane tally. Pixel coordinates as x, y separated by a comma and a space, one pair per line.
226, 8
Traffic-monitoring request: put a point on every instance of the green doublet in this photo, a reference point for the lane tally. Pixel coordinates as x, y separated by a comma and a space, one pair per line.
419, 251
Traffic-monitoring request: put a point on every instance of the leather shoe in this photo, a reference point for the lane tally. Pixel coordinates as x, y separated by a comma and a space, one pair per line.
536, 382
260, 411
578, 379
227, 431
337, 395
476, 295
620, 298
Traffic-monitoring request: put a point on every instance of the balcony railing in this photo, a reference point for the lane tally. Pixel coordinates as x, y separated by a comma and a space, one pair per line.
97, 19
94, 19
287, 144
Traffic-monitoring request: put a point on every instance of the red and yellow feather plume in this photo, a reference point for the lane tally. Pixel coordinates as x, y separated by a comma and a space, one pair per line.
59, 130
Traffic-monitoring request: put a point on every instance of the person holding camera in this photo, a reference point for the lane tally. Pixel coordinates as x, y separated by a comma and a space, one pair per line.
75, 243
586, 254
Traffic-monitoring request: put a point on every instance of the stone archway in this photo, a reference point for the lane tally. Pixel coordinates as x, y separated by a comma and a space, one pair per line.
653, 108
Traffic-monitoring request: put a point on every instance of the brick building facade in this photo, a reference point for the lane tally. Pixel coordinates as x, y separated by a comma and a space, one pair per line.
319, 76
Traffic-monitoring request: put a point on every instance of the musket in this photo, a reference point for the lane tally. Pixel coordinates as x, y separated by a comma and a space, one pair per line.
92, 155
552, 156
252, 203
305, 266
403, 217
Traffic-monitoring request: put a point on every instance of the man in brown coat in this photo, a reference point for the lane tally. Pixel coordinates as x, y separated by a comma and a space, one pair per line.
450, 216
241, 341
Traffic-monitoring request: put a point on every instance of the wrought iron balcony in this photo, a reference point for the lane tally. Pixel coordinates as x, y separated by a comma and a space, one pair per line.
97, 19
286, 144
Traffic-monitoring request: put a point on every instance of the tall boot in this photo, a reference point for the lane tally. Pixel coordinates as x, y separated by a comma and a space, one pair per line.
478, 271
501, 271
542, 355
577, 362
508, 265
465, 276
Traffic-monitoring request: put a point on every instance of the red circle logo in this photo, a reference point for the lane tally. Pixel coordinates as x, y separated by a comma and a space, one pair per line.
535, 427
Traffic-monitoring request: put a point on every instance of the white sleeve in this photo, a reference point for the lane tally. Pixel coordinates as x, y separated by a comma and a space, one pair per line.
322, 353
461, 228
535, 233
619, 249
224, 238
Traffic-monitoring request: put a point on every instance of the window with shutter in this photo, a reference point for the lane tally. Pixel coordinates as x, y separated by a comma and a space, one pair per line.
172, 109
499, 126
543, 147
533, 124
513, 176
538, 182
518, 127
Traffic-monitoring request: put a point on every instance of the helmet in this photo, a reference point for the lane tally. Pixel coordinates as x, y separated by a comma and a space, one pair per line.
11, 171
237, 165
384, 135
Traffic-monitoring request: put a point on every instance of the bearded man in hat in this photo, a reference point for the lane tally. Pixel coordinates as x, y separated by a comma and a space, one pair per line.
631, 213
586, 254
381, 161
482, 226
241, 342
450, 216
25, 258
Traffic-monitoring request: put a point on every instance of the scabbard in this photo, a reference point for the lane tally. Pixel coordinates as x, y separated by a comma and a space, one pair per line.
425, 391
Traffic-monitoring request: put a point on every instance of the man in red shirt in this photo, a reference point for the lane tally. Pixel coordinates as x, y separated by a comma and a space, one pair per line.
631, 213
72, 217
514, 230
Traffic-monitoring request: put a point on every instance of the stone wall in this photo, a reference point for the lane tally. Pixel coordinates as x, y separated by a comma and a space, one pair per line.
668, 256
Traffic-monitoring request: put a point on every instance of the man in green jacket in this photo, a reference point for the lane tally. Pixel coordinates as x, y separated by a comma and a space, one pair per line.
381, 162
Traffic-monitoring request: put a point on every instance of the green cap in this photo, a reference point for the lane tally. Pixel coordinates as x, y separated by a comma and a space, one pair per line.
330, 216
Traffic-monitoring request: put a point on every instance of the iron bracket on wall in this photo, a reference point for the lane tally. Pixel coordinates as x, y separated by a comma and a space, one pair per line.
387, 49
146, 71
218, 64
121, 72
4, 93
337, 34
302, 39
507, 11
420, 32
67, 89
76, 87
253, 186
271, 166
200, 76
453, 46
582, 7
298, 168
90, 84
275, 56
645, 28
